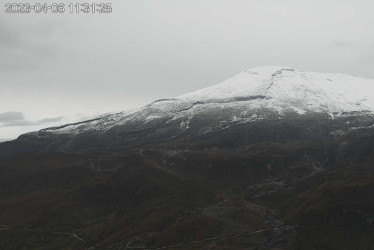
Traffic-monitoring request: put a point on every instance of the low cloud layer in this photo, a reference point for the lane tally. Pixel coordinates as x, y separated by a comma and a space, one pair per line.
12, 119
11, 116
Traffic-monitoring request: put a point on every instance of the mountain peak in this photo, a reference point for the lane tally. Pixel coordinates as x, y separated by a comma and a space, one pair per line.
268, 69
287, 87
249, 82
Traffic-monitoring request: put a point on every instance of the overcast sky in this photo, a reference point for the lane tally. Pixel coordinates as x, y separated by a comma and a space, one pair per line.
56, 68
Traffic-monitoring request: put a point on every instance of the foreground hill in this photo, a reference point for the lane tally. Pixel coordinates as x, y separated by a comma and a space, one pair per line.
271, 195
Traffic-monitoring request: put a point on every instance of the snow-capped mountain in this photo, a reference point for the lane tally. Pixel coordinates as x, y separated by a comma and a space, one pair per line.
253, 94
277, 90
258, 94
286, 88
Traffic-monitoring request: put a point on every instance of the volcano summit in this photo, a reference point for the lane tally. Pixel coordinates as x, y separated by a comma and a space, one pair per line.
260, 94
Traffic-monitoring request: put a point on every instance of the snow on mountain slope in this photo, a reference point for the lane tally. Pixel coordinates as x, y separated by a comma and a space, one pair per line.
246, 97
250, 82
306, 91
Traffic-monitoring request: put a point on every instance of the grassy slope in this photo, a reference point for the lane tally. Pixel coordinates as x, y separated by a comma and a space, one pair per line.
155, 197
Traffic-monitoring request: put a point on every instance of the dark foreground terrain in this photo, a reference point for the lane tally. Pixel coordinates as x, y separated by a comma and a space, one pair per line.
290, 191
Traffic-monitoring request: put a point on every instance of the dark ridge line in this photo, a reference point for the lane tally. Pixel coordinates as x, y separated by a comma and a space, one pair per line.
75, 123
279, 72
162, 100
239, 99
227, 100
223, 100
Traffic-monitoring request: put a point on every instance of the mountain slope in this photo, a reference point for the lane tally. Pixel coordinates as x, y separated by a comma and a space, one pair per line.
259, 94
270, 195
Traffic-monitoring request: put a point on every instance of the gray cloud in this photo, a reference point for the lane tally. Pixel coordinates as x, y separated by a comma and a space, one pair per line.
17, 119
11, 116
52, 119
7, 37
343, 44
25, 45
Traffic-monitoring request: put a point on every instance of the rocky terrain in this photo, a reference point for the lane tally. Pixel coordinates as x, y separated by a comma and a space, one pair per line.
273, 158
